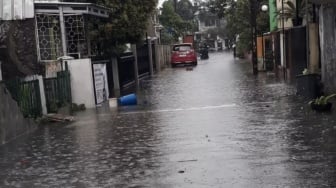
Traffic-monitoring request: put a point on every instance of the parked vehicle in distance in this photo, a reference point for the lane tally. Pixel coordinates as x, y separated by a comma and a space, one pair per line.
204, 52
183, 54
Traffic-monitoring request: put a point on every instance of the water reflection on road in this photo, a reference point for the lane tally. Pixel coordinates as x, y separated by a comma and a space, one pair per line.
214, 126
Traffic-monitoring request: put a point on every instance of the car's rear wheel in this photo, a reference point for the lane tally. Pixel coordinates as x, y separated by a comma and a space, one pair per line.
173, 65
194, 63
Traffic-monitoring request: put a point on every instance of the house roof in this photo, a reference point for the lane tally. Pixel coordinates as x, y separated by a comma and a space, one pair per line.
71, 8
323, 1
16, 10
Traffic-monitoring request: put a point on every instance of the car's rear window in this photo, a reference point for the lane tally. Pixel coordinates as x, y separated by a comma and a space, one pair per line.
182, 48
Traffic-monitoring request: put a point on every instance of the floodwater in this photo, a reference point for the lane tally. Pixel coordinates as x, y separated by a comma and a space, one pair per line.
214, 126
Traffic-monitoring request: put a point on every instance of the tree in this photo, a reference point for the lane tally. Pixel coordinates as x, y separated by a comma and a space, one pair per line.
184, 8
237, 15
127, 23
18, 49
177, 23
171, 21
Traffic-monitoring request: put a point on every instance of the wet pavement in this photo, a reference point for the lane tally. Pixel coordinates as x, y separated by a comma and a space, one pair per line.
214, 126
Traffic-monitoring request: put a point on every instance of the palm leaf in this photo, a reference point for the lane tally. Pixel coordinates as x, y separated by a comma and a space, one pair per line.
291, 6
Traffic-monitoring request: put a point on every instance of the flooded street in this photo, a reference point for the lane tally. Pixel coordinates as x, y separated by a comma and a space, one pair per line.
214, 126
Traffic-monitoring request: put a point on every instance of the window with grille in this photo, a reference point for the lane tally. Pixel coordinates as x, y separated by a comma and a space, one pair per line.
50, 40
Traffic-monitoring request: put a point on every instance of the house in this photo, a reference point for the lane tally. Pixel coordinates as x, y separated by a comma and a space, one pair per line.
327, 42
294, 44
309, 45
209, 26
43, 31
42, 35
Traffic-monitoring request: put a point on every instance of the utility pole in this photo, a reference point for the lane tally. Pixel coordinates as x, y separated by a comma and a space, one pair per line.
0, 72
175, 2
253, 22
283, 39
63, 32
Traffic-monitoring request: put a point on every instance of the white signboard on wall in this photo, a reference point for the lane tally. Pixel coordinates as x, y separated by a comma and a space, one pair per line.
16, 9
100, 82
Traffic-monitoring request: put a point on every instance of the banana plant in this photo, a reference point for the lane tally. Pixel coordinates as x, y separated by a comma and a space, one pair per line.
323, 100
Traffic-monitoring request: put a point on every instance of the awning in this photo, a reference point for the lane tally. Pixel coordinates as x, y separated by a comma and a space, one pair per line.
71, 8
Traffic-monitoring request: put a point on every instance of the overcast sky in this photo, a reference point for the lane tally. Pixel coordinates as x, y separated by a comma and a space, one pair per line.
161, 1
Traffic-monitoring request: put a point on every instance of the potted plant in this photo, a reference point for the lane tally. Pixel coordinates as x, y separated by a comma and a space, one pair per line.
309, 84
322, 103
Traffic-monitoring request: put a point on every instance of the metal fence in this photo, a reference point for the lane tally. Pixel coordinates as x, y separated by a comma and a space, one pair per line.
143, 59
57, 91
27, 95
126, 67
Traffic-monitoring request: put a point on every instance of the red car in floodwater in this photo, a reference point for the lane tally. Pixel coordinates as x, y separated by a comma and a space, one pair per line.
183, 54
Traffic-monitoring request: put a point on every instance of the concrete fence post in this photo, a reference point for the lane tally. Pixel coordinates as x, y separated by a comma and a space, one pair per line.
136, 71
161, 56
157, 58
42, 94
0, 72
150, 57
167, 51
115, 72
166, 55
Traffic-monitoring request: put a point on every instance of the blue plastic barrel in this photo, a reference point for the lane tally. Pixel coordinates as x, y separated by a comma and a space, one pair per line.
130, 99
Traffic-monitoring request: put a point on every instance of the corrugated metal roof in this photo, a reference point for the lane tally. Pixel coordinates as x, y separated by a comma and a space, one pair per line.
16, 9
42, 6
323, 1
23, 9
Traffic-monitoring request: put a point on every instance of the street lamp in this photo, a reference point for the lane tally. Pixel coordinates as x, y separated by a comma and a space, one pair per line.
158, 29
264, 8
253, 6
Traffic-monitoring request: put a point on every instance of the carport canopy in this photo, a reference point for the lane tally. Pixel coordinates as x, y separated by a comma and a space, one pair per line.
52, 7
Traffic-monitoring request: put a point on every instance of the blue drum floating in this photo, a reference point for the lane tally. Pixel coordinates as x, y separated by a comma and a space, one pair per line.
126, 100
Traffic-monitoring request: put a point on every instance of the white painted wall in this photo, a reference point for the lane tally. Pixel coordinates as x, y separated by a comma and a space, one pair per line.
82, 89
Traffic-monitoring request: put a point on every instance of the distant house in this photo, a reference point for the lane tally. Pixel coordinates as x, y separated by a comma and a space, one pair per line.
154, 27
208, 23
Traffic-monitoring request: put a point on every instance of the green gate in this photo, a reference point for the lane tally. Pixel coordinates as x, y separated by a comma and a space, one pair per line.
58, 91
27, 95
